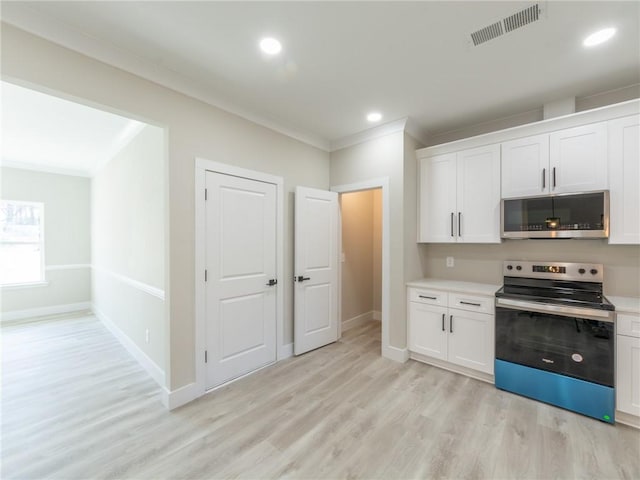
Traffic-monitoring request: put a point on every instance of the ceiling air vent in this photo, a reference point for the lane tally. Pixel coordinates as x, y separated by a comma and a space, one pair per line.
522, 18
517, 20
487, 33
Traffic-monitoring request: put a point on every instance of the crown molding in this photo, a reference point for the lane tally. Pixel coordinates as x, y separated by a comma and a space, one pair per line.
369, 134
416, 131
44, 168
26, 18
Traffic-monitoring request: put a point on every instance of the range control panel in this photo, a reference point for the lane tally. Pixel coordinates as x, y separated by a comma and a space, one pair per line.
583, 272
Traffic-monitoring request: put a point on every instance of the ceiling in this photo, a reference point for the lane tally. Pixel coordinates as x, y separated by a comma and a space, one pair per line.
341, 60
46, 133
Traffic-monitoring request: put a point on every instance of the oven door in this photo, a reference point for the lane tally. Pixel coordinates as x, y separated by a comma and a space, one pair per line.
577, 342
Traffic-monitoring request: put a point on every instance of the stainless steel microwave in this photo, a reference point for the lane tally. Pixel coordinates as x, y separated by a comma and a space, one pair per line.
571, 215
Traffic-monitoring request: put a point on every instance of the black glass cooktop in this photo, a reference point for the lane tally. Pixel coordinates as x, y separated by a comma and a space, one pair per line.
576, 294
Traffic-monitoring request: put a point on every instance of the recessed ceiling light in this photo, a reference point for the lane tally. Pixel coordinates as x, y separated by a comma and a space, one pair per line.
599, 37
374, 117
270, 46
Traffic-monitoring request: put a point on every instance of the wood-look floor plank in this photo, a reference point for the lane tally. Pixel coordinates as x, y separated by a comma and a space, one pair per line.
75, 405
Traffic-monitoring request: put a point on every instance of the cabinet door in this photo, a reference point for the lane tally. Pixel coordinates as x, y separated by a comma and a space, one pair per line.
578, 159
438, 199
427, 330
471, 340
525, 167
478, 195
628, 374
624, 178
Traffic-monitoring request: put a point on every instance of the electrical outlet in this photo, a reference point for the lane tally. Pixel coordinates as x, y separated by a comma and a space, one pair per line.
450, 262
146, 335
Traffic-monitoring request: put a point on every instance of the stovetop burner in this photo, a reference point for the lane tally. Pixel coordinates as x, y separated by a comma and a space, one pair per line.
560, 283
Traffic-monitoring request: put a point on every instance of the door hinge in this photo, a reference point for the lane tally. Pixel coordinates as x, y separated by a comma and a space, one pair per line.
205, 356
205, 194
205, 275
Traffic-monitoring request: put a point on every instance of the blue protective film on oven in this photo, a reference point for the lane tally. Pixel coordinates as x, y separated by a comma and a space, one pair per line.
588, 398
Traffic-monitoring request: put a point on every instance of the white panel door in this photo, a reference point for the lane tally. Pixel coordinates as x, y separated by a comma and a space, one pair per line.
628, 374
427, 330
471, 340
478, 195
240, 262
316, 269
438, 223
525, 167
624, 178
578, 159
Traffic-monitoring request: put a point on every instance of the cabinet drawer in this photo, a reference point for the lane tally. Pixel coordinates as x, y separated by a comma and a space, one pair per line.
471, 303
628, 324
432, 297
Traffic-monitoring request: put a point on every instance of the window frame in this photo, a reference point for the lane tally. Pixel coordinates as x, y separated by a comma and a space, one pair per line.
43, 280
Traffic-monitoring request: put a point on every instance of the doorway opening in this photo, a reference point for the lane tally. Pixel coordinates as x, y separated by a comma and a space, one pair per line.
356, 313
361, 261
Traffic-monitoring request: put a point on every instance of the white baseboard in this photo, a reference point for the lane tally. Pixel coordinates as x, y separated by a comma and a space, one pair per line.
468, 372
357, 321
377, 315
397, 354
136, 352
627, 419
286, 351
44, 311
181, 396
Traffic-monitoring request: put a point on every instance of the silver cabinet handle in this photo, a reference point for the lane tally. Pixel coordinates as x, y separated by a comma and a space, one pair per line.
452, 224
450, 323
443, 315
470, 303
544, 178
554, 177
459, 222
429, 298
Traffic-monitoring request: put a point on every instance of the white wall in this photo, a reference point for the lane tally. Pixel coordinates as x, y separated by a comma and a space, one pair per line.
376, 158
67, 241
128, 242
195, 129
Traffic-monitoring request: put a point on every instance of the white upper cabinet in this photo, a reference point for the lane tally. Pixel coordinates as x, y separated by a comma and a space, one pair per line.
567, 161
478, 195
578, 159
525, 167
460, 196
624, 179
437, 199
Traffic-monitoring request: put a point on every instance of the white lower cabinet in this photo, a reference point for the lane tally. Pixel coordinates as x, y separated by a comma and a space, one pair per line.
628, 364
461, 336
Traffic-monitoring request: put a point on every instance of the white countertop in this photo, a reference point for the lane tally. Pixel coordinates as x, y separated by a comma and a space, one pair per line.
455, 286
625, 304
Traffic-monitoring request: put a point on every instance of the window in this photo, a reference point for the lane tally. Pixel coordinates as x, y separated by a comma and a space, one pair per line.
21, 242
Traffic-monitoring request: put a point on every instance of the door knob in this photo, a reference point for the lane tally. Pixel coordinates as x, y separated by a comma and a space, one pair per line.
272, 282
300, 278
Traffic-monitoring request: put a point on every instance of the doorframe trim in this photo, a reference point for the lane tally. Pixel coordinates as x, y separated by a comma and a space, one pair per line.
203, 165
383, 183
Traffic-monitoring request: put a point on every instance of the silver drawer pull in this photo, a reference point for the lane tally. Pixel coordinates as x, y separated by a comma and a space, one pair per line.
428, 298
470, 303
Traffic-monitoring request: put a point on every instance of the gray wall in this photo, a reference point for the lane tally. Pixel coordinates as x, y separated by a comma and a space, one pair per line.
195, 129
67, 240
128, 247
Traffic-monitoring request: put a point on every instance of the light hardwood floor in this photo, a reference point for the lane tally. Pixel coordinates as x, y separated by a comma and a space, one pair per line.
75, 405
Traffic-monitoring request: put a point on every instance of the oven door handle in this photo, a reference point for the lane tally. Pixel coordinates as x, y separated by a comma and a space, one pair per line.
586, 313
